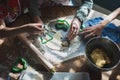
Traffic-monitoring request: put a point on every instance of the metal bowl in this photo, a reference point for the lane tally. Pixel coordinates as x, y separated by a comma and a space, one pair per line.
111, 49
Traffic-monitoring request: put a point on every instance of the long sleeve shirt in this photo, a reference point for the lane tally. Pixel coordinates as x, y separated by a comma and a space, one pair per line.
84, 9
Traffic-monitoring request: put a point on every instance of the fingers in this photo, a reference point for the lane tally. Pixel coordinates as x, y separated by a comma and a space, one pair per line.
34, 28
39, 28
88, 32
89, 35
74, 29
73, 32
37, 31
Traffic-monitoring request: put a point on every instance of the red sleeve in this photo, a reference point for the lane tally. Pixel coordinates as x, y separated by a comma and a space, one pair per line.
15, 6
15, 9
3, 12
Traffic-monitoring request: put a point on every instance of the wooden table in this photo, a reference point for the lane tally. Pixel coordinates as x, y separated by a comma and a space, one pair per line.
77, 64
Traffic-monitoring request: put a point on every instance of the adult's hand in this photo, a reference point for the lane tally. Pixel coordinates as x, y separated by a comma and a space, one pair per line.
74, 29
95, 30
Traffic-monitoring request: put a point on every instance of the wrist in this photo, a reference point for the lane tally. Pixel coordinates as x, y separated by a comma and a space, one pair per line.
80, 21
104, 23
76, 21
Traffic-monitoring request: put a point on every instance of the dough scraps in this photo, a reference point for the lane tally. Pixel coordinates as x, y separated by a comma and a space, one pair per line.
99, 57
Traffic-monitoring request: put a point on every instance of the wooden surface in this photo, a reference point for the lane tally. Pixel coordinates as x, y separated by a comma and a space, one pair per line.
41, 59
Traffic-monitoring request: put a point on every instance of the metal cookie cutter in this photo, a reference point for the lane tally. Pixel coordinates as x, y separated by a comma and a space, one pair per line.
47, 36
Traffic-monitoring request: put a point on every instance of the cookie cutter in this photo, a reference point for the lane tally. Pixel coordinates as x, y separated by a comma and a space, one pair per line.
47, 36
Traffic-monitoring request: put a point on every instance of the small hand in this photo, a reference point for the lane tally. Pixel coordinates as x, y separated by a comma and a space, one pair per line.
95, 30
35, 28
74, 29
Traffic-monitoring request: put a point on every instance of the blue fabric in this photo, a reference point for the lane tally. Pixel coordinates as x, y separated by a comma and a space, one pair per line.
111, 31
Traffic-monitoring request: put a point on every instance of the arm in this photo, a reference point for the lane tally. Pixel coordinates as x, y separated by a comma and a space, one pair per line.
110, 17
7, 32
97, 29
30, 28
34, 11
80, 16
84, 10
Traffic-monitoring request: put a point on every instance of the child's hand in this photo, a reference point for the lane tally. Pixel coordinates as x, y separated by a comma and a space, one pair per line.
35, 28
95, 30
74, 29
